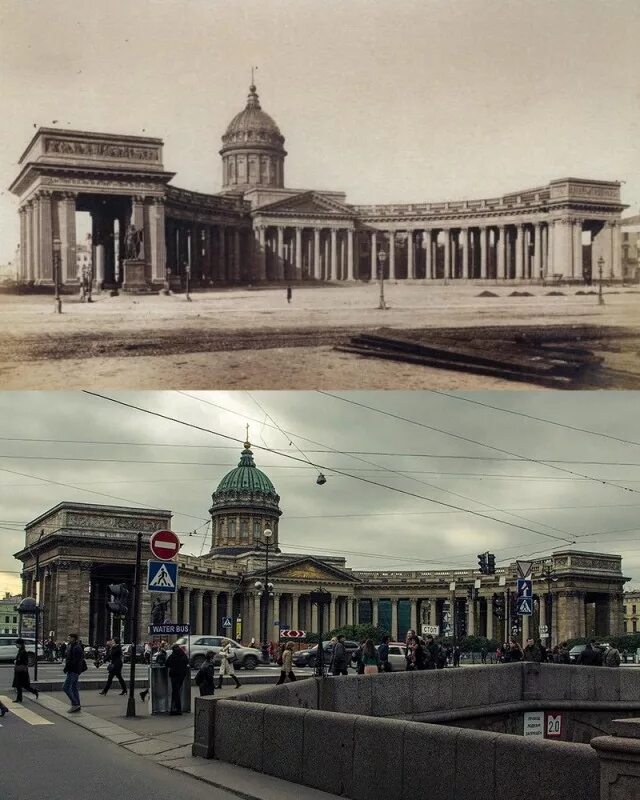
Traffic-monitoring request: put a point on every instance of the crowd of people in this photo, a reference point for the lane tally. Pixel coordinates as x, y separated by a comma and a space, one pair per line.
534, 650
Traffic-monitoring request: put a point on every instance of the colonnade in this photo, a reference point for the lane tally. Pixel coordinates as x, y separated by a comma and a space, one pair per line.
286, 252
215, 252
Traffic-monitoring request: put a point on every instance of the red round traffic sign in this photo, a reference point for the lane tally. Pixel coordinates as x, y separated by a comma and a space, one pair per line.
164, 545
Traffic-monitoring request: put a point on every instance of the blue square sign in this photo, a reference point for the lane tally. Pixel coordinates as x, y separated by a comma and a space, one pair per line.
525, 588
162, 576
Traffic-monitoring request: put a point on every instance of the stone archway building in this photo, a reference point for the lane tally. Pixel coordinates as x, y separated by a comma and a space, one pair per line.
257, 230
82, 548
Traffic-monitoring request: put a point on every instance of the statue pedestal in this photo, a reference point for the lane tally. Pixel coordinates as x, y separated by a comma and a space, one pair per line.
135, 275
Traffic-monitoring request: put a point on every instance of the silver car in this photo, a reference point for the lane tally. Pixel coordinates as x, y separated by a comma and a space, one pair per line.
9, 651
198, 646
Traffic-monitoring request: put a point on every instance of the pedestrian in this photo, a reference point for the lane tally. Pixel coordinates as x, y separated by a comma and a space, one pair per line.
289, 294
590, 657
21, 680
178, 665
532, 652
456, 656
74, 666
432, 653
383, 654
227, 659
339, 659
612, 658
514, 651
253, 644
205, 677
483, 654
370, 658
563, 654
286, 670
3, 709
115, 667
356, 658
148, 652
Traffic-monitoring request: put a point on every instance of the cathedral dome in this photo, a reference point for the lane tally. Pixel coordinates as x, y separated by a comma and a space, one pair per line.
246, 477
252, 149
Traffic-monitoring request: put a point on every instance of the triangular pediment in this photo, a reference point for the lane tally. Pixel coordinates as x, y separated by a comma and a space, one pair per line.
308, 203
311, 569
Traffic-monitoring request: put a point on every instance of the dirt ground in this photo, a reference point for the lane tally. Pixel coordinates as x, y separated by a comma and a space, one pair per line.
253, 338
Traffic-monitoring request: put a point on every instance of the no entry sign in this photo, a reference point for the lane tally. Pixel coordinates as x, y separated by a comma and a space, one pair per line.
293, 634
164, 545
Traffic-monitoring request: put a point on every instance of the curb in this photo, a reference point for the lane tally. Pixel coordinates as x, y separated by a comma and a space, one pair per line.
141, 683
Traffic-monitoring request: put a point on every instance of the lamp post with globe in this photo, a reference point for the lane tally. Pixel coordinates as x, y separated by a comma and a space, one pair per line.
600, 268
265, 590
382, 257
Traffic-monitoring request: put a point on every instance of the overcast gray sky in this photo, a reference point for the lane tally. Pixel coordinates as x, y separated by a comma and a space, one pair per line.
389, 101
163, 464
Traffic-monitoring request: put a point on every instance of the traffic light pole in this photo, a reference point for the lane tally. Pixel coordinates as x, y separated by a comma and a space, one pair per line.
131, 701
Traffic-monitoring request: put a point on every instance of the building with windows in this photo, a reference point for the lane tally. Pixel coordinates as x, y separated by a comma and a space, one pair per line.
8, 614
83, 548
630, 231
256, 229
632, 611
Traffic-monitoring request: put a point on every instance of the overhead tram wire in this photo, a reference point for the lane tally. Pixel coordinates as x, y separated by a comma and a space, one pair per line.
341, 472
406, 476
537, 419
473, 441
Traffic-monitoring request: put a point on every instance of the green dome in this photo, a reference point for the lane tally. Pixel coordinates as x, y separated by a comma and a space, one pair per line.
246, 477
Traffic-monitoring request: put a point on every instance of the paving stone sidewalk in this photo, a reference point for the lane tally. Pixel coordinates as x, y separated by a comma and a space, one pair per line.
167, 741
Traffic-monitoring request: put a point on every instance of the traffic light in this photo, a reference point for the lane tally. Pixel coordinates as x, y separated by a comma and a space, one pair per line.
482, 563
491, 564
118, 604
498, 605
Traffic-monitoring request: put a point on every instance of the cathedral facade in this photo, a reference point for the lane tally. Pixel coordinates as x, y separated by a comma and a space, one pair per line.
79, 549
257, 230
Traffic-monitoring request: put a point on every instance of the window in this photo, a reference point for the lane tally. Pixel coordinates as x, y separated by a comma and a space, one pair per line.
633, 610
244, 529
634, 626
232, 528
257, 529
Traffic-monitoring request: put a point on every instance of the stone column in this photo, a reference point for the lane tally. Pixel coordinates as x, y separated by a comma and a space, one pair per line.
22, 267
489, 617
537, 250
525, 628
256, 618
374, 611
576, 268
616, 256
298, 275
137, 219
500, 252
280, 254
261, 254
276, 618
392, 255
562, 247
186, 603
31, 267
414, 614
349, 254
222, 253
214, 613
551, 264
295, 598
544, 247
519, 252
464, 239
484, 247
471, 618
199, 611
236, 254
157, 245
350, 602
394, 619
411, 269
45, 245
314, 618
427, 255
317, 266
447, 253
334, 255
332, 613
374, 255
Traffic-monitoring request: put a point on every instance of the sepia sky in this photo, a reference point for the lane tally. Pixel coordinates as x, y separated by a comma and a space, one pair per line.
106, 453
389, 101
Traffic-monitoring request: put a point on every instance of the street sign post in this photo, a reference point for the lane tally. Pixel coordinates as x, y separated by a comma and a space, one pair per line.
554, 725
524, 568
164, 545
226, 622
170, 629
534, 723
524, 606
525, 587
162, 576
431, 630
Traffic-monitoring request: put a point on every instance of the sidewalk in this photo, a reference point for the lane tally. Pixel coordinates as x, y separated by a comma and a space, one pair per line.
167, 740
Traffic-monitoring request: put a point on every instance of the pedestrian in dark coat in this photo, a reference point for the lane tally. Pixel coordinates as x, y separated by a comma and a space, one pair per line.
289, 294
21, 680
339, 660
205, 678
357, 658
383, 654
74, 666
115, 667
178, 665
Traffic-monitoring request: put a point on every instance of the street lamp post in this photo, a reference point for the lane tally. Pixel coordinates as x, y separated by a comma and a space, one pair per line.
187, 270
56, 276
600, 267
550, 577
382, 257
265, 590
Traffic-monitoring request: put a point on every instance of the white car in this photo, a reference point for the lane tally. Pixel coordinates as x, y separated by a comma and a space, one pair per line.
397, 656
198, 646
9, 651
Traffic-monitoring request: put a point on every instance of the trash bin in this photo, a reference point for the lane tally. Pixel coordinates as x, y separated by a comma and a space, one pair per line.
160, 690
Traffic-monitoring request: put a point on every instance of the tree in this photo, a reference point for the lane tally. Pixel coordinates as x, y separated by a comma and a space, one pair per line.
359, 632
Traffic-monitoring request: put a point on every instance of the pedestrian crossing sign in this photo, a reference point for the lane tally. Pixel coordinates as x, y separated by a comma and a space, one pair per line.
162, 576
226, 622
525, 606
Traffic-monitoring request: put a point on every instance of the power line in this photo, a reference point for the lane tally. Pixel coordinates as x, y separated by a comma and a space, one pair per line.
342, 472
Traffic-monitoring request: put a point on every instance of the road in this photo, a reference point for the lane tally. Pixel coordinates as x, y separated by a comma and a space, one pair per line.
47, 756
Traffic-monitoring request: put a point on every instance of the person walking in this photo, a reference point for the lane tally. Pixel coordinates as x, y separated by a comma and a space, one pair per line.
205, 677
483, 654
612, 658
115, 667
383, 654
21, 680
433, 651
339, 659
356, 658
178, 665
74, 666
286, 670
370, 658
289, 294
532, 652
227, 658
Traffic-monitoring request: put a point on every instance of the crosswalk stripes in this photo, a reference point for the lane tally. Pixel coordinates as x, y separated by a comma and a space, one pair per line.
24, 714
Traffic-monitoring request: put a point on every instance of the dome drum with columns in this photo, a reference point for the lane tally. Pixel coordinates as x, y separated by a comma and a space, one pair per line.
243, 506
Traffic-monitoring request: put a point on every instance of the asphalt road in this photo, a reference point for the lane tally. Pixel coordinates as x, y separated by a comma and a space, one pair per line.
62, 761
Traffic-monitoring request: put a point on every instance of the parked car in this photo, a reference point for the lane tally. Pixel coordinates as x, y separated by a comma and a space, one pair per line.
397, 656
196, 648
578, 649
126, 653
307, 658
8, 650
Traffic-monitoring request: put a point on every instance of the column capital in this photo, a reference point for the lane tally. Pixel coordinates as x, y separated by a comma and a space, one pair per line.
139, 198
22, 209
158, 201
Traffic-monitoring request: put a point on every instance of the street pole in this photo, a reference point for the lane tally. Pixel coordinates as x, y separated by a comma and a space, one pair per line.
188, 279
131, 700
382, 257
265, 590
600, 266
56, 276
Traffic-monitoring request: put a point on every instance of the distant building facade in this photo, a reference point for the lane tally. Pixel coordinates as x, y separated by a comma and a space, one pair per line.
630, 230
8, 614
257, 229
83, 548
632, 611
